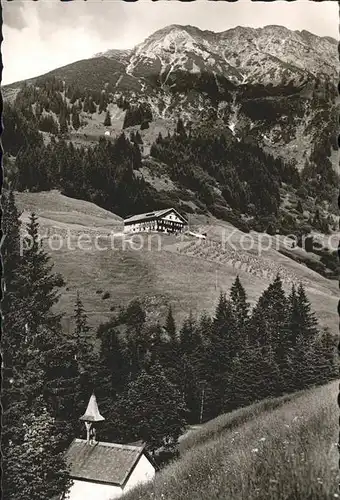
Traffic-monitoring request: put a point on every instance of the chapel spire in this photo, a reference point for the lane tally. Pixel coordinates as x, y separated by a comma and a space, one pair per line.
91, 417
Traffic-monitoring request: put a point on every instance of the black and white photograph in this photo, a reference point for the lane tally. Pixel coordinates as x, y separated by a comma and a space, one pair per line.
169, 248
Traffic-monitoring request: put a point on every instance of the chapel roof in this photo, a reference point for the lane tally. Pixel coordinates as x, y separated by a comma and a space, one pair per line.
108, 463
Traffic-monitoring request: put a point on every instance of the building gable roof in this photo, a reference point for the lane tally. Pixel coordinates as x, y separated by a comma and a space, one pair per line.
107, 463
156, 214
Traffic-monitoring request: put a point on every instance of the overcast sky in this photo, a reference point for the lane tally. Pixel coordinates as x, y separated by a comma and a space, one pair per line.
40, 36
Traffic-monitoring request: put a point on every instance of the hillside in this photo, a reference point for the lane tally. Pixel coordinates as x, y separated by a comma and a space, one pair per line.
201, 112
166, 270
254, 80
277, 449
198, 123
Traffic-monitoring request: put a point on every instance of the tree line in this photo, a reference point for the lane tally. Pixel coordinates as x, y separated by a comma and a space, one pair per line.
248, 179
104, 174
150, 379
235, 357
233, 179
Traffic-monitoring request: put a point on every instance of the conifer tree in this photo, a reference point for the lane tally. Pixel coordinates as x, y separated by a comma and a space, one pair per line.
107, 121
254, 375
15, 312
171, 357
150, 409
41, 283
190, 369
187, 337
112, 374
308, 324
38, 461
39, 360
136, 156
10, 249
303, 334
327, 365
157, 346
102, 102
63, 127
81, 326
137, 339
92, 106
75, 119
243, 379
170, 325
112, 361
86, 359
240, 309
53, 355
138, 138
299, 207
268, 320
221, 349
14, 305
180, 127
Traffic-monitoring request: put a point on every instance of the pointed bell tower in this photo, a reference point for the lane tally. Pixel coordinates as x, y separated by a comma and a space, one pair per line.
91, 417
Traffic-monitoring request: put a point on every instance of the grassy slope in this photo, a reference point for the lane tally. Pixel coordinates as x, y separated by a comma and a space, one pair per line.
184, 273
273, 450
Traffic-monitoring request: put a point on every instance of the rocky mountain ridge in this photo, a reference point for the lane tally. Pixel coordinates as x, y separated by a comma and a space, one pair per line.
271, 83
269, 55
271, 86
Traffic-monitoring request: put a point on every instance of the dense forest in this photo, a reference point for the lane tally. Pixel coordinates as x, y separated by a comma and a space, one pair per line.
149, 379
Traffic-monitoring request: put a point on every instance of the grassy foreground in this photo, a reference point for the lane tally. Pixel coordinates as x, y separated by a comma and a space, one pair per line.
261, 452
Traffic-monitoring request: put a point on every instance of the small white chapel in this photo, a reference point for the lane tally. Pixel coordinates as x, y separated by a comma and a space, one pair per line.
105, 471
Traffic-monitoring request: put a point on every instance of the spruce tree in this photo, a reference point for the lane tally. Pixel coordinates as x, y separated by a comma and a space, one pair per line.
187, 336
38, 359
171, 358
81, 326
170, 325
138, 138
240, 308
190, 350
107, 121
180, 127
63, 127
220, 351
302, 334
86, 359
137, 340
268, 319
308, 324
55, 358
10, 249
75, 119
156, 349
38, 461
327, 364
102, 102
254, 375
113, 361
14, 306
92, 106
150, 409
42, 285
299, 207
